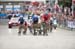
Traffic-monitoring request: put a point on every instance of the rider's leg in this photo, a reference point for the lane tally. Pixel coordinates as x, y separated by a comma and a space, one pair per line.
20, 28
34, 28
25, 29
45, 30
30, 28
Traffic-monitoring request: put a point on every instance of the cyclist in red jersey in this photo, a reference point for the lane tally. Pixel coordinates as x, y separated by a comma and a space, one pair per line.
46, 17
45, 22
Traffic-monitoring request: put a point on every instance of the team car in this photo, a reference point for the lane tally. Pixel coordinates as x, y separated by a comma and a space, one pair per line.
13, 22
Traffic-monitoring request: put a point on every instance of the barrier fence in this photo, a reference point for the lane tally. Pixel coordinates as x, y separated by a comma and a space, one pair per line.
71, 24
68, 25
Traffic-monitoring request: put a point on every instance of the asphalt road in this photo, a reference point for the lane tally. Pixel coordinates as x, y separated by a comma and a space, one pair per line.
58, 39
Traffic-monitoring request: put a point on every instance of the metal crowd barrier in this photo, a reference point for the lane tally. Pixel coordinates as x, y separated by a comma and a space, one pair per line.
69, 25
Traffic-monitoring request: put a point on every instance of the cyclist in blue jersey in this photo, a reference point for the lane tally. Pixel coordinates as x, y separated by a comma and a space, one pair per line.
22, 25
35, 20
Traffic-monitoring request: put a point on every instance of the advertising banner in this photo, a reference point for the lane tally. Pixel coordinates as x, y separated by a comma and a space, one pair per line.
9, 7
16, 8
